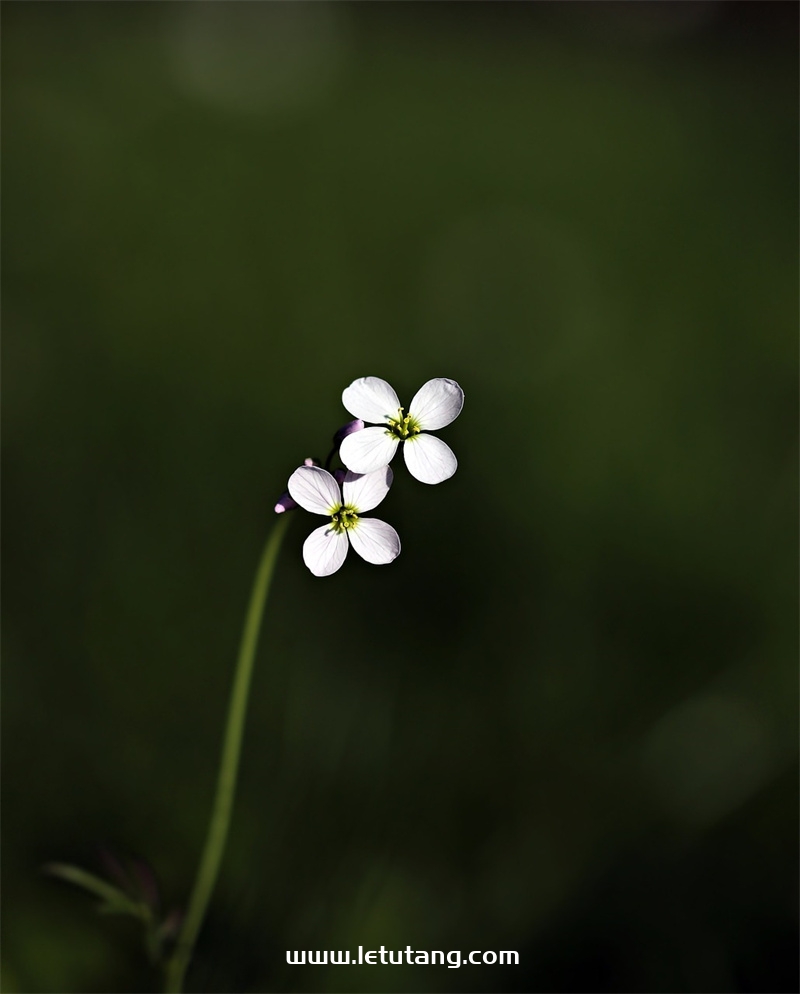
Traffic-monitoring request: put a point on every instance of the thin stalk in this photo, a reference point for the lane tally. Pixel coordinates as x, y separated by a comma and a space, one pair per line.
228, 767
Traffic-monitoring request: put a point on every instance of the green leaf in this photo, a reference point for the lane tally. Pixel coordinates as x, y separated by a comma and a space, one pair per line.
113, 901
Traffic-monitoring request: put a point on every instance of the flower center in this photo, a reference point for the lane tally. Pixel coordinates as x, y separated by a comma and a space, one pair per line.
403, 426
346, 517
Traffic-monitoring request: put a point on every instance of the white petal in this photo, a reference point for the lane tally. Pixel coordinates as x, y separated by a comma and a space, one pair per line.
368, 450
324, 550
371, 399
375, 541
437, 403
315, 490
365, 491
429, 459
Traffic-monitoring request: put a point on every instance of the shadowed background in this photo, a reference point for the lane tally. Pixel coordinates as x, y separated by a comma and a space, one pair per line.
564, 721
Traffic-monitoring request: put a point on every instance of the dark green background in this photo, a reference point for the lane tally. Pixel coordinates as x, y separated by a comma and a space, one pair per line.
564, 721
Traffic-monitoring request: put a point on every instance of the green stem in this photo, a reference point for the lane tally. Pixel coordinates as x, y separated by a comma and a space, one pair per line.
228, 768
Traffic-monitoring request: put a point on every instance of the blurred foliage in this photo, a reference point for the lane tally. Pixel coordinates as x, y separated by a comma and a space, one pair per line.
564, 721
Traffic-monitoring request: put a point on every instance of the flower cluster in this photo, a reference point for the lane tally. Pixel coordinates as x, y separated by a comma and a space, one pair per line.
345, 494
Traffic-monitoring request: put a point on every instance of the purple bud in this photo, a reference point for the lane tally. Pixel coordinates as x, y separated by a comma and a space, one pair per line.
311, 462
346, 430
285, 503
339, 475
114, 868
171, 925
147, 883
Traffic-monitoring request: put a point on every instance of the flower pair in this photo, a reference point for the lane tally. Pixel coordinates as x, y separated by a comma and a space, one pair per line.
367, 452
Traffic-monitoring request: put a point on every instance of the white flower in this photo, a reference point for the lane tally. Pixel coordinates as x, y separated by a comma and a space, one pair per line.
433, 406
317, 490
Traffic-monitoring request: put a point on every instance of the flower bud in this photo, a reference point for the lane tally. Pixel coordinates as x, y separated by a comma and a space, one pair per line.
346, 430
285, 503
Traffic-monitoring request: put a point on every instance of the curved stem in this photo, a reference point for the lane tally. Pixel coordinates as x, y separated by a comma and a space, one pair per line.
331, 454
228, 768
